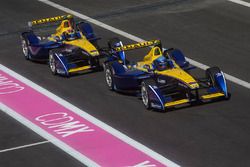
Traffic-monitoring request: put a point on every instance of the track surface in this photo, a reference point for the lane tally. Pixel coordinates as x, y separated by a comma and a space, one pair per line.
211, 32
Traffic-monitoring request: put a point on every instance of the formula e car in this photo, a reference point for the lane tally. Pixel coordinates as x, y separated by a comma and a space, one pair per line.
162, 78
61, 48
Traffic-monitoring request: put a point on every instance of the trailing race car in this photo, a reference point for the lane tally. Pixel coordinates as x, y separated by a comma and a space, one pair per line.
72, 48
162, 78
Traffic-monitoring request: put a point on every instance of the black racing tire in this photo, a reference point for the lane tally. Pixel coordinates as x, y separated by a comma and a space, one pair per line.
98, 66
52, 63
109, 77
210, 75
145, 92
25, 48
94, 61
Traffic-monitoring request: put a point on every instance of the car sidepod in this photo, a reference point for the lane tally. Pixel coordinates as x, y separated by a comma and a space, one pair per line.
126, 79
38, 49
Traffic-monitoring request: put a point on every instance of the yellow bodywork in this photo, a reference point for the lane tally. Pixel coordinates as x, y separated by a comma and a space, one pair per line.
81, 42
67, 26
79, 69
176, 72
210, 96
177, 102
84, 44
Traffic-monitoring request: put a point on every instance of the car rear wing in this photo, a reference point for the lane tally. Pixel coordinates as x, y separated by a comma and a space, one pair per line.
49, 20
138, 45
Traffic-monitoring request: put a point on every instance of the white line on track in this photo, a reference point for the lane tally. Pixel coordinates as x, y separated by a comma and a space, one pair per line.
240, 2
137, 39
69, 150
85, 160
24, 146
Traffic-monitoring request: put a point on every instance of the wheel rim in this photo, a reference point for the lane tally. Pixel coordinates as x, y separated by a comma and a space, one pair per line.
52, 63
25, 48
108, 77
144, 94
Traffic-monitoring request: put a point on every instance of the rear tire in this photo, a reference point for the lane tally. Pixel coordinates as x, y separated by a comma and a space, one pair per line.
94, 61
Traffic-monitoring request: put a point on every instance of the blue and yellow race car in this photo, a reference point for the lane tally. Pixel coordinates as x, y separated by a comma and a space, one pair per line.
72, 48
162, 78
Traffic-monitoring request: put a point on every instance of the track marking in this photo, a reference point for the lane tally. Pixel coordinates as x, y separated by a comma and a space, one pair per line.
68, 149
46, 135
137, 39
240, 2
24, 146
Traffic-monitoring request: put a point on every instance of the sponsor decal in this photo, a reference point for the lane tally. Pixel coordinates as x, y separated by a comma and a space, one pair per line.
8, 86
84, 137
154, 105
162, 81
218, 74
63, 124
51, 19
138, 45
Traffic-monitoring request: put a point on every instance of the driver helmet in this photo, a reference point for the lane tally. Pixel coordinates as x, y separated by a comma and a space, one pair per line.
161, 63
70, 35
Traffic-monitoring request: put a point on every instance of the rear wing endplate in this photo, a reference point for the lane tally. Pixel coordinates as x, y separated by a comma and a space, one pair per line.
138, 45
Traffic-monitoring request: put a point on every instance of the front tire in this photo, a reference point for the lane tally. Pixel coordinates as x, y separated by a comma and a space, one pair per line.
52, 63
109, 77
25, 48
210, 75
145, 95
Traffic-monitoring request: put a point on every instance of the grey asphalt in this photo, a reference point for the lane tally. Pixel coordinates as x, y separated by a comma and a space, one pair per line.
211, 32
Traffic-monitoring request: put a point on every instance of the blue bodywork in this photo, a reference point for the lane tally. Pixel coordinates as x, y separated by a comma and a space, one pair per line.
87, 31
127, 79
156, 97
221, 82
72, 58
39, 49
61, 64
162, 89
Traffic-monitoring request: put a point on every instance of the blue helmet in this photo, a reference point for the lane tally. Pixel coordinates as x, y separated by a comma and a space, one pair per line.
72, 35
162, 63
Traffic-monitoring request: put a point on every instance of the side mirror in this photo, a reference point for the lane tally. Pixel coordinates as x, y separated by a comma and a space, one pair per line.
57, 38
149, 69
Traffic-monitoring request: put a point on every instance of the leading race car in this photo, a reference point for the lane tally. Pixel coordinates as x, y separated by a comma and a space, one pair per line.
162, 78
72, 48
